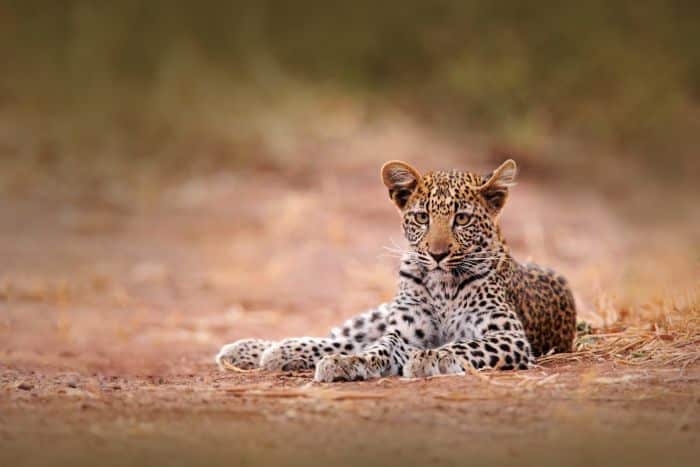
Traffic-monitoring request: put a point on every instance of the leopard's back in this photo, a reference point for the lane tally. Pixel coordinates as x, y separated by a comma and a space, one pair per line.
545, 304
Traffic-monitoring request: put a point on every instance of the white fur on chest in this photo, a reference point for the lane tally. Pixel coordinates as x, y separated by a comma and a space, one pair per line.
449, 299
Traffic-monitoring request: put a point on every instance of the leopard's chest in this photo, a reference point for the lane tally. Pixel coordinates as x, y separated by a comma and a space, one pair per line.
454, 321
454, 311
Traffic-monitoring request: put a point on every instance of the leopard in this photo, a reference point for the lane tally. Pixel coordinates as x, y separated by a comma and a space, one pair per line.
463, 302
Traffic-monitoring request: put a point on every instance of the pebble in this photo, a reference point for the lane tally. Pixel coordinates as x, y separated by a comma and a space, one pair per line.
25, 386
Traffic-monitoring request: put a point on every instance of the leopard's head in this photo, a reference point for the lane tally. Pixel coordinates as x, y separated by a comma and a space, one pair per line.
450, 219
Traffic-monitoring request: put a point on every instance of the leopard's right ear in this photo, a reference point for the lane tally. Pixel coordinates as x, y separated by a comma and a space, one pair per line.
495, 189
401, 179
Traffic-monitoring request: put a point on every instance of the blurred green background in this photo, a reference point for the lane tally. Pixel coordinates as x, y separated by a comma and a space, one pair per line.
89, 81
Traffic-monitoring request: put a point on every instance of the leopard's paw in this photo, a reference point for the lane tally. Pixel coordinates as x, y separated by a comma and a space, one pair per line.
288, 355
432, 362
244, 354
344, 368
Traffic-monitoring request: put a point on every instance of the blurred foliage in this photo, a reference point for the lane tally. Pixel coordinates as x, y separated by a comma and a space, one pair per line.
625, 73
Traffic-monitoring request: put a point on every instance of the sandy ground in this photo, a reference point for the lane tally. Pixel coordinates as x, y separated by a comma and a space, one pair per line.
115, 298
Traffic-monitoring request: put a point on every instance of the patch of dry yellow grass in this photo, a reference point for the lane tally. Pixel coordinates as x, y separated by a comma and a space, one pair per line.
659, 333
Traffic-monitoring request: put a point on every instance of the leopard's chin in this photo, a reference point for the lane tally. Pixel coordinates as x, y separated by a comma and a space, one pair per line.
440, 271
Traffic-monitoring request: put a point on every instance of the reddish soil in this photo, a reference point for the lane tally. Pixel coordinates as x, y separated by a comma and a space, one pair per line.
114, 300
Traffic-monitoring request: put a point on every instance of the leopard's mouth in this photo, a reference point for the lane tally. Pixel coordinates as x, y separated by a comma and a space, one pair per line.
440, 268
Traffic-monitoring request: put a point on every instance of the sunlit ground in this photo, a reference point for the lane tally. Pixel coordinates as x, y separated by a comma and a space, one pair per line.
116, 291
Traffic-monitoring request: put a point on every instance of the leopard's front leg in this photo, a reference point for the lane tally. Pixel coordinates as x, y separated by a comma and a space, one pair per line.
505, 350
385, 357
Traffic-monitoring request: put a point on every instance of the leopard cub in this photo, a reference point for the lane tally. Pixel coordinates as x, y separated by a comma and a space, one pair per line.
463, 302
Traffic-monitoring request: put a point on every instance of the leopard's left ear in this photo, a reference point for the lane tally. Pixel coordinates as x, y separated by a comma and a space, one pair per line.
401, 179
495, 189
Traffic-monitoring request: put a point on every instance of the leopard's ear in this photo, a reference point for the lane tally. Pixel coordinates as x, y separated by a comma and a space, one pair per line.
495, 189
401, 179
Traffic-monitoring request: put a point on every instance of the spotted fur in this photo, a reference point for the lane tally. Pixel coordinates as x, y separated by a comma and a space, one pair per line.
462, 303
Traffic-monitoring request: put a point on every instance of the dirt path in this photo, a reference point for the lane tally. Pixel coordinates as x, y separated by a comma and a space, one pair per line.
573, 414
113, 303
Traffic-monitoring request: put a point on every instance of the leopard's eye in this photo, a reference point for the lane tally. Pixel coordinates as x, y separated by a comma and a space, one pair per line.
421, 217
462, 218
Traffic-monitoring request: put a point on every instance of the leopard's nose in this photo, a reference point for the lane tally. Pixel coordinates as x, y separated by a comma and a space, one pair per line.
439, 256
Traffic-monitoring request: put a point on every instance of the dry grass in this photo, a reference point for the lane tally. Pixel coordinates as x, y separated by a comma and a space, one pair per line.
659, 334
110, 318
